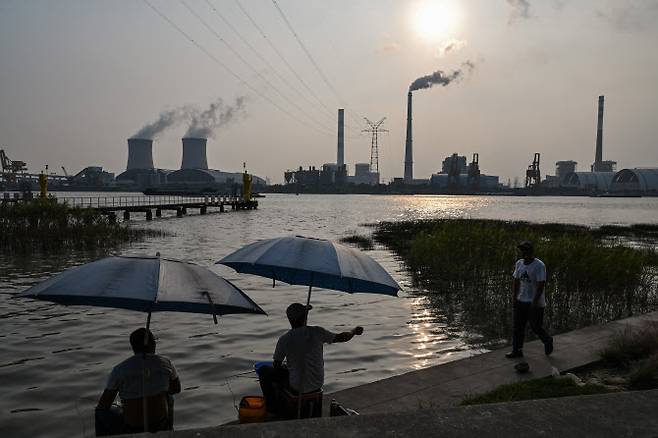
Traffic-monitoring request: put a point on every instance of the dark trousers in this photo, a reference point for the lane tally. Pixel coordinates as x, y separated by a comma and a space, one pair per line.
272, 380
524, 313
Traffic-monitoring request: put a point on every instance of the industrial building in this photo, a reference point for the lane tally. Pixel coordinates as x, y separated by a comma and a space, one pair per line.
457, 175
636, 181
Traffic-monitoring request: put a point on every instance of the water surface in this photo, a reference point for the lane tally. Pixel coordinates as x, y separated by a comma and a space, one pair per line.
55, 359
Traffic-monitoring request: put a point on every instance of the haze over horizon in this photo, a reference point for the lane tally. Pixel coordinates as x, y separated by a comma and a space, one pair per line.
79, 79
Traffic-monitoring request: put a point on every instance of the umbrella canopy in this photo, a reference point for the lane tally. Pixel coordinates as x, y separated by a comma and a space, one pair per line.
147, 284
313, 262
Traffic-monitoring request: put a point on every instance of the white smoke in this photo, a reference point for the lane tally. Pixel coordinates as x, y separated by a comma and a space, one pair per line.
203, 124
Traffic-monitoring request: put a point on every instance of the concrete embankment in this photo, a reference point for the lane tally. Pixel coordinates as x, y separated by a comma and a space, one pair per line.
424, 402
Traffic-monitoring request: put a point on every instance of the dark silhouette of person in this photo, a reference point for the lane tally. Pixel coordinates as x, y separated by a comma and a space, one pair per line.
302, 348
529, 300
145, 374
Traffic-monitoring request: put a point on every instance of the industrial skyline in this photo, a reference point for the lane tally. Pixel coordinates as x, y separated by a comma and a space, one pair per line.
80, 79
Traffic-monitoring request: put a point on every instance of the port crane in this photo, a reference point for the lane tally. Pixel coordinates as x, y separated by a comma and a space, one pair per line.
474, 172
533, 174
10, 167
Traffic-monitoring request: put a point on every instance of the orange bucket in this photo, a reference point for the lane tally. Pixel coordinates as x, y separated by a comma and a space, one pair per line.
252, 409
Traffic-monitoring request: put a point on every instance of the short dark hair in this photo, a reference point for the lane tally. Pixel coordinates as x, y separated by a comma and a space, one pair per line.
137, 341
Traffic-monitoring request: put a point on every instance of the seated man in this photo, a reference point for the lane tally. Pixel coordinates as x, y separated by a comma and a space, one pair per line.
302, 347
143, 374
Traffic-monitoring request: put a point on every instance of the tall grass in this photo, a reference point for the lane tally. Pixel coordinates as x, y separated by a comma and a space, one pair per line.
466, 266
44, 224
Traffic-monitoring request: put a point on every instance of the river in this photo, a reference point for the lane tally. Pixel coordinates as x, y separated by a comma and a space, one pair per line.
55, 359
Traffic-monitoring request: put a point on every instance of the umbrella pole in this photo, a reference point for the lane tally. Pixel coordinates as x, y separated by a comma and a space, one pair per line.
144, 401
302, 376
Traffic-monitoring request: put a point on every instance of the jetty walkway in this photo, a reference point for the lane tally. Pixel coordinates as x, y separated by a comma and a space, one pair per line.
113, 205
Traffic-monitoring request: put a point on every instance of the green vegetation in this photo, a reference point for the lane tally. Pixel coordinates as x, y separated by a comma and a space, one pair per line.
362, 242
465, 268
548, 387
44, 224
635, 352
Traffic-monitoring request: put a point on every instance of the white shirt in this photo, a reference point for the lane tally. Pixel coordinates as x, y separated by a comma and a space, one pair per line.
127, 376
529, 275
302, 347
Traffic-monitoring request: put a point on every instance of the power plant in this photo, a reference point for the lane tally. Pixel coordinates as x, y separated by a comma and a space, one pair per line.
140, 153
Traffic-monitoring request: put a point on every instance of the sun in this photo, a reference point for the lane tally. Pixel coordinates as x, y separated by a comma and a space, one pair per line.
436, 19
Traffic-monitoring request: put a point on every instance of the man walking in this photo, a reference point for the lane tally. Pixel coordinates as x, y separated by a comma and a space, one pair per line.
529, 300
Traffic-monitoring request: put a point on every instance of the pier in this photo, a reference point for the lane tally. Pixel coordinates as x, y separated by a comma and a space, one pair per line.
111, 206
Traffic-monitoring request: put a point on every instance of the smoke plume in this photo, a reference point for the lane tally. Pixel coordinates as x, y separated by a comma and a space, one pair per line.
204, 123
167, 119
440, 77
520, 10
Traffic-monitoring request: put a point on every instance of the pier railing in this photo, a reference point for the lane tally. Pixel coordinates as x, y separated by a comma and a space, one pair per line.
144, 201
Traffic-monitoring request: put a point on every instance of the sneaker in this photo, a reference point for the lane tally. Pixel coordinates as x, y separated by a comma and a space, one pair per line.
514, 354
548, 347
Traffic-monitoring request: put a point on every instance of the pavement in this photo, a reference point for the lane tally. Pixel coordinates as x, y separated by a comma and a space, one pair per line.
448, 384
628, 414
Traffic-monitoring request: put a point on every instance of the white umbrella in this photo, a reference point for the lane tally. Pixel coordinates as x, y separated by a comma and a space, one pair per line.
146, 284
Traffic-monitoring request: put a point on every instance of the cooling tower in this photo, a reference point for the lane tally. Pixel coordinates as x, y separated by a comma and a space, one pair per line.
340, 159
408, 149
194, 153
140, 153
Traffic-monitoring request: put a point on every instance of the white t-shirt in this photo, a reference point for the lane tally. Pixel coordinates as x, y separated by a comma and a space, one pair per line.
303, 346
529, 275
127, 376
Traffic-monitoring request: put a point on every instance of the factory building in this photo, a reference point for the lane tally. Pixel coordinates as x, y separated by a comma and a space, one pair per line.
588, 181
636, 181
457, 174
363, 175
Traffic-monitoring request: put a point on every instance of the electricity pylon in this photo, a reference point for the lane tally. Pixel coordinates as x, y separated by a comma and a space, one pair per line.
374, 129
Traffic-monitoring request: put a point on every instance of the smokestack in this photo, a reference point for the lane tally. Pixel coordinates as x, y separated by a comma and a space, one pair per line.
340, 159
598, 158
140, 153
194, 153
408, 149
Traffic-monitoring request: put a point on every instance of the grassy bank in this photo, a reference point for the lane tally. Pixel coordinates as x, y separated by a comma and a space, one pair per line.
46, 225
465, 268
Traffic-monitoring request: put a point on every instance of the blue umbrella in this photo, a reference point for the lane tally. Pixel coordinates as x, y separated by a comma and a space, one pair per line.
313, 262
146, 284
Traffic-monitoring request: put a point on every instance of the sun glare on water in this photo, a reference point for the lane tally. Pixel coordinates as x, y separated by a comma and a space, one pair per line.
436, 19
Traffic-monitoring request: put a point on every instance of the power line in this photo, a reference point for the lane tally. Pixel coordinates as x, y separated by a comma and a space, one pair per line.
280, 55
264, 60
309, 56
251, 67
228, 69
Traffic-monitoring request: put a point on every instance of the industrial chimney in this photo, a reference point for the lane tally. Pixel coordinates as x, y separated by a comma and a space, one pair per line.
340, 159
140, 153
194, 153
598, 157
408, 150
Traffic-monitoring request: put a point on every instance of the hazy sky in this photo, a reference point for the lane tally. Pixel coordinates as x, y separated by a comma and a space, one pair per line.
77, 78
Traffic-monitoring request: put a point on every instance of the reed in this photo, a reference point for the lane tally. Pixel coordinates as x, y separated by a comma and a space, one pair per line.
46, 225
465, 266
362, 242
